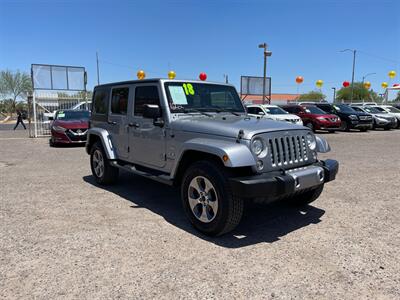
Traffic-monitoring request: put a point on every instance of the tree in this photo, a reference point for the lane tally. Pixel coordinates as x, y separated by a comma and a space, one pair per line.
312, 96
360, 93
14, 85
397, 99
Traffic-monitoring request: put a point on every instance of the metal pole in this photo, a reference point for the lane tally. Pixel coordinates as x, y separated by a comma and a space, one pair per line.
98, 73
334, 94
352, 76
34, 114
265, 71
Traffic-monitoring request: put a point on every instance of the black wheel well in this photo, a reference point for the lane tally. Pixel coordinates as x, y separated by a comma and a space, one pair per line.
191, 156
92, 139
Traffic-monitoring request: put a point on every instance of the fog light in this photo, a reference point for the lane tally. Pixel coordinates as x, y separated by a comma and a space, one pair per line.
260, 165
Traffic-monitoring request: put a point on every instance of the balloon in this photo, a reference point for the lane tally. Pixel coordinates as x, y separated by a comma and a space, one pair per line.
367, 84
319, 83
141, 74
203, 76
384, 85
396, 84
171, 74
392, 74
346, 84
299, 79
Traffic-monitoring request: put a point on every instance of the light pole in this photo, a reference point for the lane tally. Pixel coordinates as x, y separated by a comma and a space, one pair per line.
365, 76
334, 94
266, 53
354, 66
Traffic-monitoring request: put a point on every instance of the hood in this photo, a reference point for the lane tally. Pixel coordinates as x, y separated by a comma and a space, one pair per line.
229, 125
72, 124
285, 117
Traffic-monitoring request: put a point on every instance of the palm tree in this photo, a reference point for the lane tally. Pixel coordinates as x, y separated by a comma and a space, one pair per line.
14, 85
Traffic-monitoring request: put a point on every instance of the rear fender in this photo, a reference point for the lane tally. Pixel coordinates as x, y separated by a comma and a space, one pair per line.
105, 139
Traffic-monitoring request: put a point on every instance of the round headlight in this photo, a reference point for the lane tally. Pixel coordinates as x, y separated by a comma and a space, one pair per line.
257, 146
311, 142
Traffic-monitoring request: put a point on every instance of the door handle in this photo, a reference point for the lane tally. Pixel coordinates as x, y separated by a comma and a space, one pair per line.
112, 122
135, 125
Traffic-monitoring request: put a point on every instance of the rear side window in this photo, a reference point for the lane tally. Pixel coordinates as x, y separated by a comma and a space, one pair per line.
119, 101
145, 95
254, 110
100, 101
291, 109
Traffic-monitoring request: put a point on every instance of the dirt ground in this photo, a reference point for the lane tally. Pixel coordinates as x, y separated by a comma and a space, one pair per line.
62, 236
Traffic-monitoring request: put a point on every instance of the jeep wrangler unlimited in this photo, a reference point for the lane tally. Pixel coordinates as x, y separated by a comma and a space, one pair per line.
197, 135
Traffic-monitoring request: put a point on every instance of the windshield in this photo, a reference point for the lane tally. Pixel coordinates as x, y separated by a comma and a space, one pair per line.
194, 96
314, 110
344, 108
382, 110
73, 115
275, 111
393, 109
371, 110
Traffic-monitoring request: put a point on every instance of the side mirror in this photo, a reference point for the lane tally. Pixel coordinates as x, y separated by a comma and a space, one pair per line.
261, 113
151, 111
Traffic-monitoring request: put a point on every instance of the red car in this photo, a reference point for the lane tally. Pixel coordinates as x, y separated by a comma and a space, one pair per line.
314, 117
69, 127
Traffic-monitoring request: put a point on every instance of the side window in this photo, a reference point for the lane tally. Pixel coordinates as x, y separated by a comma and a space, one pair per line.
100, 99
145, 95
119, 101
289, 109
254, 110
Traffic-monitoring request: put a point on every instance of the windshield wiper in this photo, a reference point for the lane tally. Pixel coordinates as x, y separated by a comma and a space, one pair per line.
219, 109
190, 110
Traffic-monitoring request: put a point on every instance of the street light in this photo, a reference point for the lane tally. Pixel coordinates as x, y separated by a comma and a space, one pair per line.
334, 94
354, 66
365, 76
266, 53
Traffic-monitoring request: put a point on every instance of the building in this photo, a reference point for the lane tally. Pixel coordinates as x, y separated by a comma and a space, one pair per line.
275, 98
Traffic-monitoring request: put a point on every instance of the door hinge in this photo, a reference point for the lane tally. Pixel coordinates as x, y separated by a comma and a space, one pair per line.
129, 149
165, 156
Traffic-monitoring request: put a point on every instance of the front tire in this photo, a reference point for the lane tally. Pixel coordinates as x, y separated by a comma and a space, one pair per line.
208, 201
102, 171
311, 126
345, 126
306, 197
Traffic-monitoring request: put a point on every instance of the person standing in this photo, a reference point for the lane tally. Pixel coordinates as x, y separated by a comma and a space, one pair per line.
19, 120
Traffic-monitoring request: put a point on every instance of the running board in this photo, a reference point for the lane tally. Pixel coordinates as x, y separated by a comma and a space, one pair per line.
131, 169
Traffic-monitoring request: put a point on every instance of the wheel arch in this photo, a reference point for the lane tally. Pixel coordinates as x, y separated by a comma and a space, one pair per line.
98, 134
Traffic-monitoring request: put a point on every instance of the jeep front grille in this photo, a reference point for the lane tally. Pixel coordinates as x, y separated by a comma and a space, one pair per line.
287, 150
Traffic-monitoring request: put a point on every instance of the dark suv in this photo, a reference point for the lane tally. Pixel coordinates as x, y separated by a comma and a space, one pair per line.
314, 118
351, 119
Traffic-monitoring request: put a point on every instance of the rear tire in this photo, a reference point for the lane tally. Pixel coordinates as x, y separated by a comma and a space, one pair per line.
331, 131
363, 129
307, 197
208, 200
102, 171
345, 126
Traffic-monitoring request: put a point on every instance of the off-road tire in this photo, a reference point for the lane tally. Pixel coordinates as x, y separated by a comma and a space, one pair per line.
306, 197
230, 207
110, 173
364, 129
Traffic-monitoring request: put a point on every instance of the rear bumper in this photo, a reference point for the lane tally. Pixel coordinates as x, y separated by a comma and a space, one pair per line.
276, 184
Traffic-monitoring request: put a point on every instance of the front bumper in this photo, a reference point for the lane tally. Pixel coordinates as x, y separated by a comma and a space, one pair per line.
274, 185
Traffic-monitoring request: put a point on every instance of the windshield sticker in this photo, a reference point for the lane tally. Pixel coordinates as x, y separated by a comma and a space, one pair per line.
189, 90
178, 95
337, 107
307, 110
61, 115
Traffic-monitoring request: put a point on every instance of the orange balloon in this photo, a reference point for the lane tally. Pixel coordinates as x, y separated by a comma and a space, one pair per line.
299, 79
384, 85
367, 84
141, 74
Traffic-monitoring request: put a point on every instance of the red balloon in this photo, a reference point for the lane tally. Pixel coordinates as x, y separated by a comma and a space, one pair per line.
203, 76
396, 84
346, 83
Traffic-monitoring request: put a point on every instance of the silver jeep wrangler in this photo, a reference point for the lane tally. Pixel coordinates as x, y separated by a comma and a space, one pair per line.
198, 135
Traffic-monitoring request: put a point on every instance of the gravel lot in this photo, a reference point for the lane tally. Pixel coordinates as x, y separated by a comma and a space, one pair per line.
61, 236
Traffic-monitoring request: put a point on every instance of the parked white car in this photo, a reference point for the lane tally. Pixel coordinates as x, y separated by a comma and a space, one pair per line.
273, 112
391, 110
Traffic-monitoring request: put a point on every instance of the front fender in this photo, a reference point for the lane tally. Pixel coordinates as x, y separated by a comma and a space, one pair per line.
239, 155
105, 139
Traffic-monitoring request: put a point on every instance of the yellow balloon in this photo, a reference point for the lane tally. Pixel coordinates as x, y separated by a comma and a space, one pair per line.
319, 83
392, 74
367, 84
171, 75
384, 85
141, 74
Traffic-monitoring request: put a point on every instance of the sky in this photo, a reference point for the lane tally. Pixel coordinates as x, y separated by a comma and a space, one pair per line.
215, 37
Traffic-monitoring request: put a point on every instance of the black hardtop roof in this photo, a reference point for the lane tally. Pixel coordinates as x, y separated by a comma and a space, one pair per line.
152, 80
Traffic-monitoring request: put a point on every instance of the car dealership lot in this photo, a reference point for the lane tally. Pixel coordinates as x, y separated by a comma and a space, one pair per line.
61, 235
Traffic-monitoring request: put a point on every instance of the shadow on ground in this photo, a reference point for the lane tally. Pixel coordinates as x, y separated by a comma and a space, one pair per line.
260, 223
